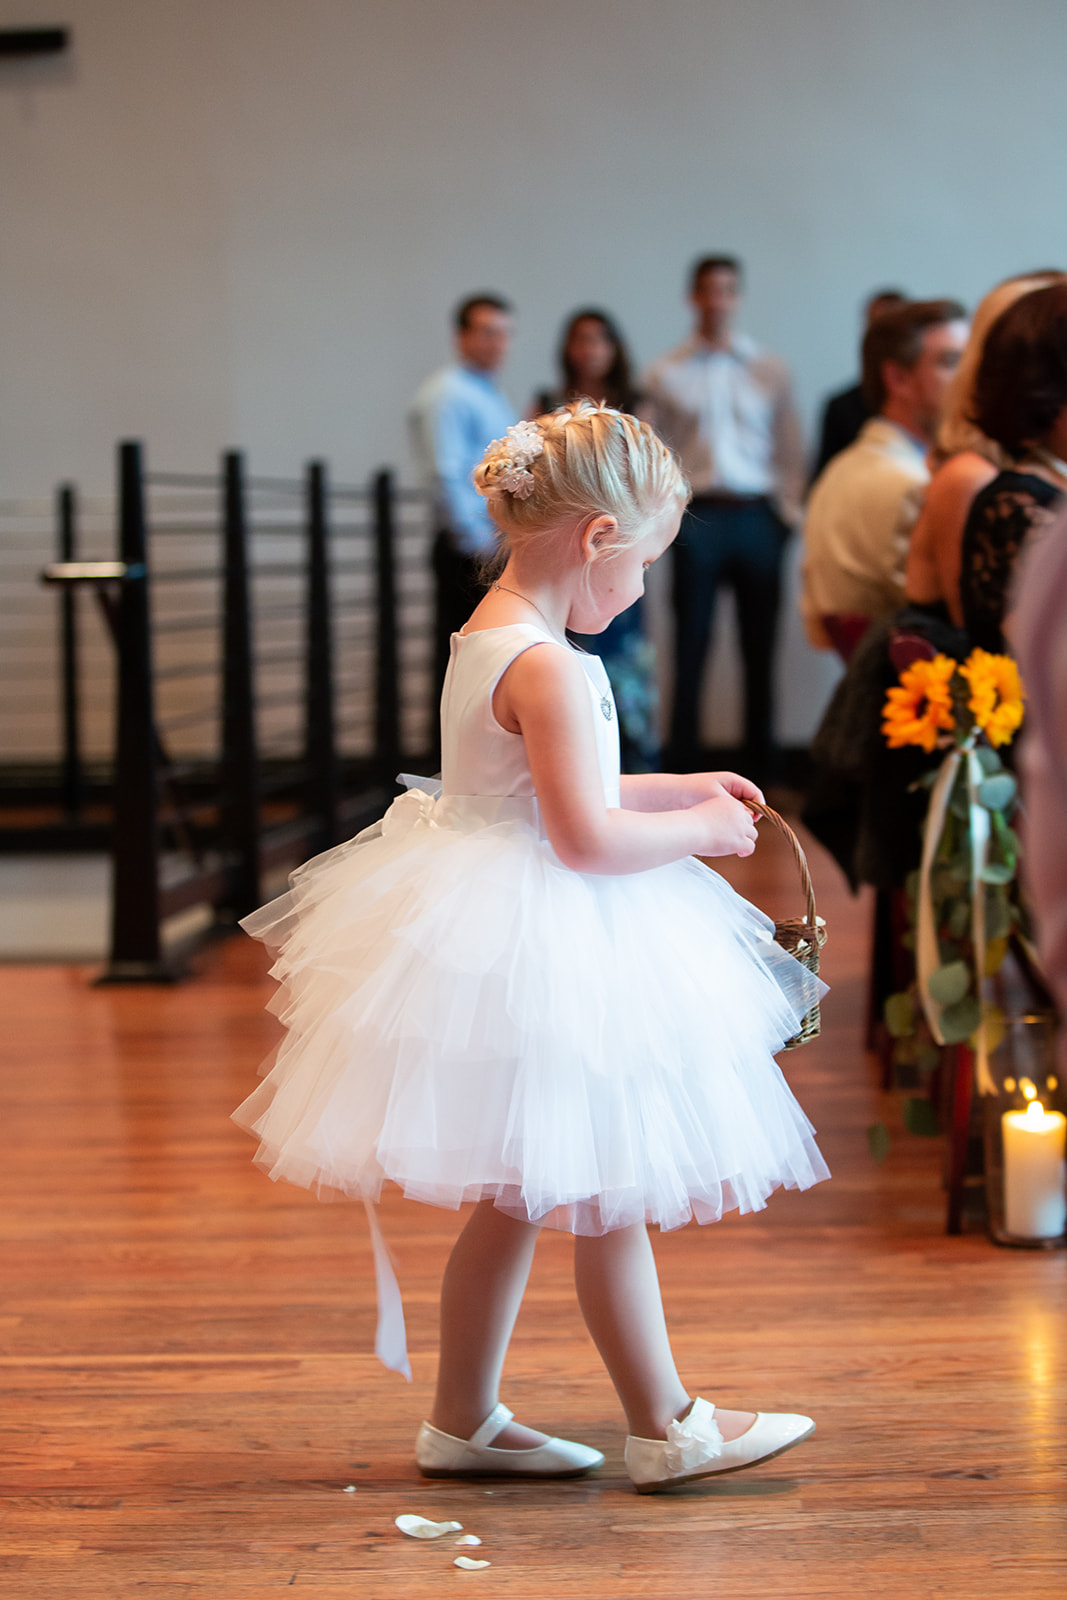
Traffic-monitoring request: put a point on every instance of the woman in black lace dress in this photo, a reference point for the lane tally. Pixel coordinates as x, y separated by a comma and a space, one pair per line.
1020, 401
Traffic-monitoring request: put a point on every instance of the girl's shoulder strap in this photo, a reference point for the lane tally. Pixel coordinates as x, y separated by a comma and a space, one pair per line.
480, 658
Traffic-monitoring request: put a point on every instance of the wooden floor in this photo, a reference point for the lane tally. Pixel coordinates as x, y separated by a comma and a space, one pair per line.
188, 1389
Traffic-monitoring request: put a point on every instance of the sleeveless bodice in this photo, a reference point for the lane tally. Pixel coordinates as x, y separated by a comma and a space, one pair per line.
479, 757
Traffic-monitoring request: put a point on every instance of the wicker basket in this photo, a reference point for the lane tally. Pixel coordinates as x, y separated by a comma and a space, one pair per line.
802, 936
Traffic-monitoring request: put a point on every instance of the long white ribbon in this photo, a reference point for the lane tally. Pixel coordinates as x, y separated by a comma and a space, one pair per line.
390, 1337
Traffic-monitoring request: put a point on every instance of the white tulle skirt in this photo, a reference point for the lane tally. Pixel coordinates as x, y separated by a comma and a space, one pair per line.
466, 1017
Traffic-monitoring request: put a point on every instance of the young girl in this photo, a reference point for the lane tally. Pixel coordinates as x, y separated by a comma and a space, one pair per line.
526, 993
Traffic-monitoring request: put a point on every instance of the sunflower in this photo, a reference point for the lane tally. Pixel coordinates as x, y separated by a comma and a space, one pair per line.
997, 694
921, 707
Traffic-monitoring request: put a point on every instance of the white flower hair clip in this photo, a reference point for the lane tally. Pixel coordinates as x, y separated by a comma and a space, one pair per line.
510, 459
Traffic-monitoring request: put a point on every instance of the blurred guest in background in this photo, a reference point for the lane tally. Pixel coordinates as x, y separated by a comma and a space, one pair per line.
1020, 402
863, 507
963, 462
725, 406
595, 364
845, 413
455, 415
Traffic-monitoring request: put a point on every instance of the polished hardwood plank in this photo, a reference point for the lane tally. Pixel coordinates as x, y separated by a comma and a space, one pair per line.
188, 1389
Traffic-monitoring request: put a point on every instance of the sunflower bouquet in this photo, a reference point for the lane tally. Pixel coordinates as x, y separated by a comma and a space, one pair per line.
963, 907
944, 702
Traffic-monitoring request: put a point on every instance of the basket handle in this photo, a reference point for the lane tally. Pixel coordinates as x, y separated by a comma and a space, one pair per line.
798, 854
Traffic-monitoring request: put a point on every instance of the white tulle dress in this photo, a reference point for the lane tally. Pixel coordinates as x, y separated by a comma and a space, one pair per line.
466, 1017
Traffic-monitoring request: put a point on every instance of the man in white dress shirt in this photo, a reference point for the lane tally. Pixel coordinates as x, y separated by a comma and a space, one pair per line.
865, 503
725, 407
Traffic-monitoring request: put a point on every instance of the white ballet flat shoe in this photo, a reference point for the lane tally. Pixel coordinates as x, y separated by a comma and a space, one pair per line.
695, 1448
439, 1455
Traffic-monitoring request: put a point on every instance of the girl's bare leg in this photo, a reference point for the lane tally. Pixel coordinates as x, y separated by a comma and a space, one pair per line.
618, 1291
481, 1293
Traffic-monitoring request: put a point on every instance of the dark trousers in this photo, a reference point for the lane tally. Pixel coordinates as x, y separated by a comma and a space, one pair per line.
459, 587
738, 543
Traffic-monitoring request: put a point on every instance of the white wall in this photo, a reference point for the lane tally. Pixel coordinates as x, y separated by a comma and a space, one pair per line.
245, 221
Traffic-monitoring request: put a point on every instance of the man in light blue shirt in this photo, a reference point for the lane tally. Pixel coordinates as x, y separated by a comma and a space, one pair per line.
455, 415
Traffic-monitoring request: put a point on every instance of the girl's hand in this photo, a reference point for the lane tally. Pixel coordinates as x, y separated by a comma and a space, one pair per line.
741, 788
730, 826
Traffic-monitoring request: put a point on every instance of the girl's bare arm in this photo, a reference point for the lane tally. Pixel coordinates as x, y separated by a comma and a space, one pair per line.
544, 695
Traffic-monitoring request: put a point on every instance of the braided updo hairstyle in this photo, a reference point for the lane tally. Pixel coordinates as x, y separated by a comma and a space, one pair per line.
591, 461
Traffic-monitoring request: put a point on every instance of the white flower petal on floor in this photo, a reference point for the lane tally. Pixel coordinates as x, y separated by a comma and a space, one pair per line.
469, 1538
470, 1565
421, 1528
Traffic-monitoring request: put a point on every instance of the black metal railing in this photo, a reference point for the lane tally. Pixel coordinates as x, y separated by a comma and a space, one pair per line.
283, 737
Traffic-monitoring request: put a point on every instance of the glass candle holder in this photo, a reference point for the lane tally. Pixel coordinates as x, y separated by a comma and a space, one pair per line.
1025, 1131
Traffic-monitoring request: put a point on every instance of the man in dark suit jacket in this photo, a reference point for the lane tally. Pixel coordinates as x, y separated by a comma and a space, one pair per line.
845, 413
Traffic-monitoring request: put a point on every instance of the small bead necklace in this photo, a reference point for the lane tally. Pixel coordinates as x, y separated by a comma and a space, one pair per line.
561, 637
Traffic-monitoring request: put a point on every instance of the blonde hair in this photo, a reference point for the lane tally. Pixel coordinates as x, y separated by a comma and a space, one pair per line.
593, 460
957, 431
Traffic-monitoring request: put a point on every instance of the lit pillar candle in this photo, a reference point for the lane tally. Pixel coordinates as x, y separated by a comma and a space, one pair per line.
1035, 1172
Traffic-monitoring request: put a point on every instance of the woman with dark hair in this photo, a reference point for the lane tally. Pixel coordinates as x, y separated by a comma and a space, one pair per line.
595, 364
1020, 402
963, 461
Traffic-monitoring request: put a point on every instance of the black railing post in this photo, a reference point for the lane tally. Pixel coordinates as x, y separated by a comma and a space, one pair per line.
320, 741
241, 825
73, 774
387, 674
136, 953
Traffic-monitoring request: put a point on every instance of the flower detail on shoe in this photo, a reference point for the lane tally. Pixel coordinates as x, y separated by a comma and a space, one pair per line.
694, 1440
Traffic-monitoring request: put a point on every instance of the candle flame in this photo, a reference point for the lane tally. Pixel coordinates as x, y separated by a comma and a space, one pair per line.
1028, 1088
1035, 1111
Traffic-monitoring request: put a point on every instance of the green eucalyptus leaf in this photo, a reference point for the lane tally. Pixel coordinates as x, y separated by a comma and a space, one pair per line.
1005, 835
998, 872
878, 1141
920, 1117
900, 1015
950, 983
959, 1021
997, 792
988, 760
959, 918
